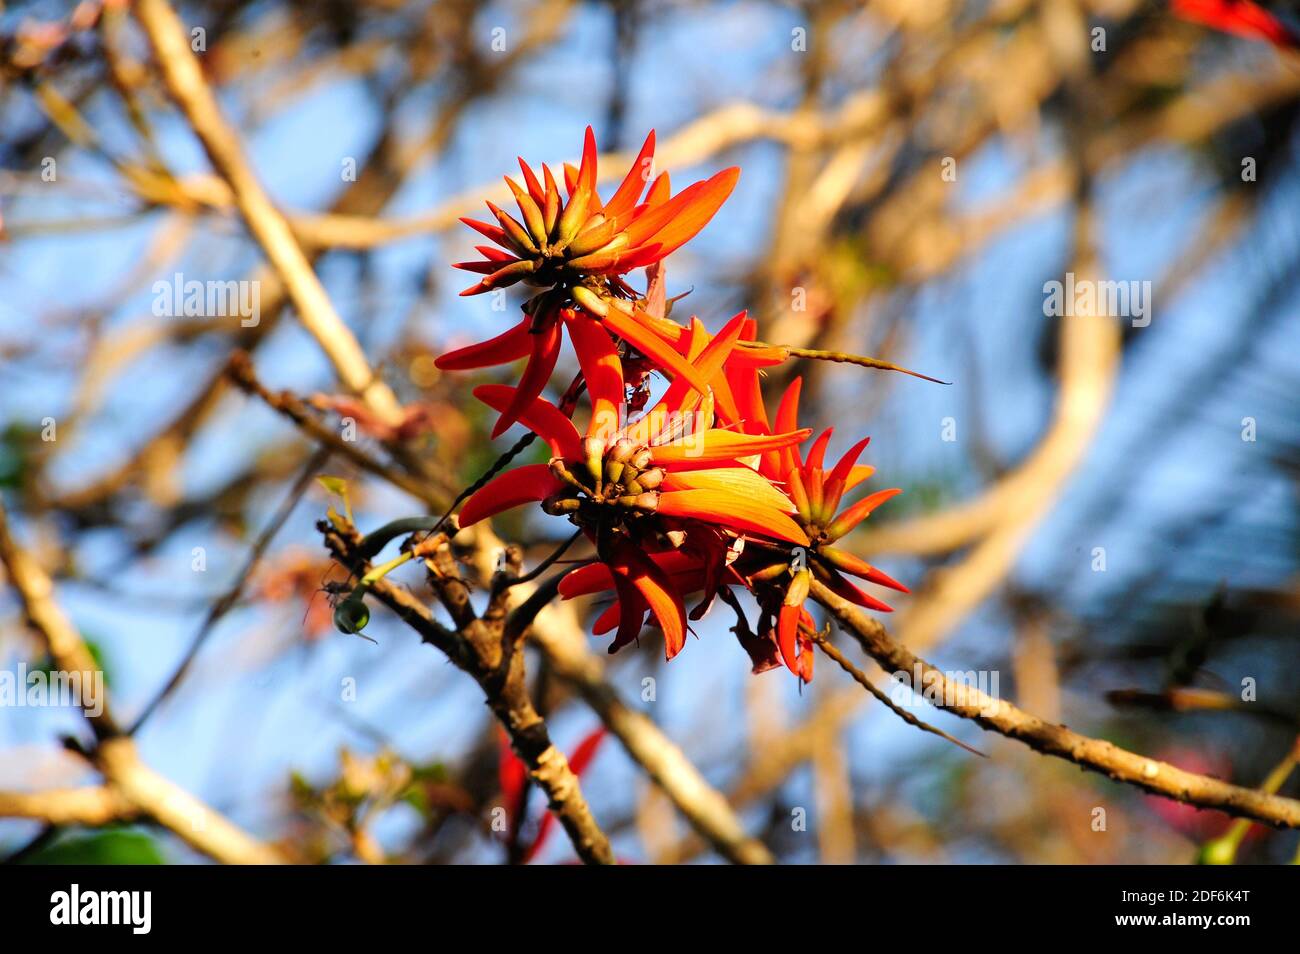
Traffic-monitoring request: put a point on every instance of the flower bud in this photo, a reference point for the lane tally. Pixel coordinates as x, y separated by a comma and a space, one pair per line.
652, 478
797, 592
647, 501
593, 449
771, 572
642, 459
623, 450
590, 301
558, 504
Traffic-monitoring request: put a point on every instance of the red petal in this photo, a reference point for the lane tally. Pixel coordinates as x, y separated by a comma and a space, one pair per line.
540, 416
850, 563
546, 351
653, 347
857, 475
530, 180
624, 200
494, 232
850, 591
817, 453
708, 363
787, 631
631, 614
659, 594
854, 515
522, 485
602, 369
659, 192
787, 418
596, 577
506, 347
679, 219
716, 444
587, 172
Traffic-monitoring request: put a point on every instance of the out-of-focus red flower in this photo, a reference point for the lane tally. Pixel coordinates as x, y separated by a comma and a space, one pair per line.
1196, 823
295, 578
415, 419
1241, 17
512, 776
668, 481
577, 251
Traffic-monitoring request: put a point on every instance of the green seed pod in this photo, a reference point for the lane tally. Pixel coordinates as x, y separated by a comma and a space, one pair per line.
352, 615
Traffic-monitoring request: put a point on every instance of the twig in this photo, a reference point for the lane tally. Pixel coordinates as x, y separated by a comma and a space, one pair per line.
477, 647
227, 600
184, 79
863, 680
1097, 755
241, 372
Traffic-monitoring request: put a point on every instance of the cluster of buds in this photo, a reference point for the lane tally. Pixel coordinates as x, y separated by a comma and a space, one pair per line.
619, 474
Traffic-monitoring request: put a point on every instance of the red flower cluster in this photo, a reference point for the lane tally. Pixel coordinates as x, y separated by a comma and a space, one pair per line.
697, 494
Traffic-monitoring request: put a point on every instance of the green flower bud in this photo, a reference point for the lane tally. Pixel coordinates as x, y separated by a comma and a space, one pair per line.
351, 615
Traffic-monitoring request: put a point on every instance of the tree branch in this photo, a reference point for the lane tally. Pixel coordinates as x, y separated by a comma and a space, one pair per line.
1097, 755
115, 754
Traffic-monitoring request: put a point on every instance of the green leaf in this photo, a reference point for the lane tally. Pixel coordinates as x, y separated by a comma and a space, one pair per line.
335, 485
113, 847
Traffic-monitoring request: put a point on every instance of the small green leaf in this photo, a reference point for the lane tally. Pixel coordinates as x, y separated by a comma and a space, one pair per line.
337, 486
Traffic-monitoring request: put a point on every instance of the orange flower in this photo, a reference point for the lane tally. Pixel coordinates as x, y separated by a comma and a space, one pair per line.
577, 250
668, 481
566, 243
778, 572
782, 584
